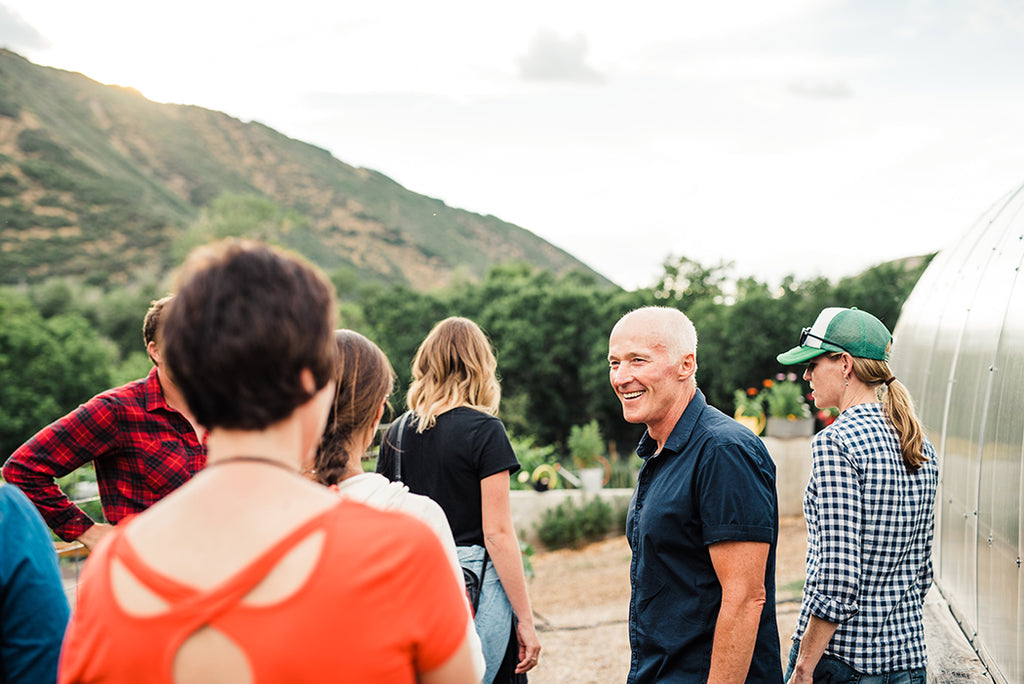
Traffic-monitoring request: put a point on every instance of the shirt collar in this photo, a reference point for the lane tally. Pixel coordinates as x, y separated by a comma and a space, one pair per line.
648, 448
154, 392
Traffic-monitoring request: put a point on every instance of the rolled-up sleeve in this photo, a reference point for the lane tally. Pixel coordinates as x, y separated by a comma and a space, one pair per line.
58, 449
737, 496
833, 585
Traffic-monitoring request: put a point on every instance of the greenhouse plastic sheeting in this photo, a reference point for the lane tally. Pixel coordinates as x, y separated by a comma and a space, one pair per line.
959, 349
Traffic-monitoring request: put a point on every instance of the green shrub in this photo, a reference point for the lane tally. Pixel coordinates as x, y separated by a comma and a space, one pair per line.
619, 517
624, 472
34, 141
9, 108
52, 221
526, 551
585, 444
570, 525
596, 519
50, 200
9, 185
785, 398
15, 216
529, 456
49, 175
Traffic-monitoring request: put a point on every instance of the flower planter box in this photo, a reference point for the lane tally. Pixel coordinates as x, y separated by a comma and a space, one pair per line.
784, 428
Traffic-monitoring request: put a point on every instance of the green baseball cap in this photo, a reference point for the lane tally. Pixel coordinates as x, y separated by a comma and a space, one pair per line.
836, 329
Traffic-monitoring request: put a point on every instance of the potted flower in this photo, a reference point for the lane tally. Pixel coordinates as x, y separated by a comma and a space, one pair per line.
750, 409
789, 415
586, 447
827, 416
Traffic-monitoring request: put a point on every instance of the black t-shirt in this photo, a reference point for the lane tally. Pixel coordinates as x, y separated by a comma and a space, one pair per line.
448, 461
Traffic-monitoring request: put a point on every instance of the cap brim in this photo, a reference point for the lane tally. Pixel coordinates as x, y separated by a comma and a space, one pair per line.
800, 355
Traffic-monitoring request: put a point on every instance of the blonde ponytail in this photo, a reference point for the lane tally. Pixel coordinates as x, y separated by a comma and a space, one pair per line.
899, 409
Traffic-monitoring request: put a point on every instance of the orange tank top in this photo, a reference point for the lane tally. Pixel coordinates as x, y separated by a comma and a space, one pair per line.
380, 605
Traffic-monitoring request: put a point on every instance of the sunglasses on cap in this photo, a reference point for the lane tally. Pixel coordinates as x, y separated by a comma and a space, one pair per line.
806, 332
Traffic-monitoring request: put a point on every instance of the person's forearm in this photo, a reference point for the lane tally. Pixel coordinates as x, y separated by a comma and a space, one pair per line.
813, 643
503, 548
735, 635
96, 532
35, 477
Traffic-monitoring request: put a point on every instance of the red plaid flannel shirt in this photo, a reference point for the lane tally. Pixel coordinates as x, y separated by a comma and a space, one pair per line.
141, 448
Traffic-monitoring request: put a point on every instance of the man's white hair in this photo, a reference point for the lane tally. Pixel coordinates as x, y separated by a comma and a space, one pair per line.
673, 329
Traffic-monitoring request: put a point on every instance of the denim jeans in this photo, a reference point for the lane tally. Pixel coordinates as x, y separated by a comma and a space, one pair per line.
494, 613
833, 671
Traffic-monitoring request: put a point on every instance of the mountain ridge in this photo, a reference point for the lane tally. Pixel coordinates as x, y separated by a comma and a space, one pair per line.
98, 182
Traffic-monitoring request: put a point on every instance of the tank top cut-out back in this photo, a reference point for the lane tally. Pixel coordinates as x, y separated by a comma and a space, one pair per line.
364, 563
195, 608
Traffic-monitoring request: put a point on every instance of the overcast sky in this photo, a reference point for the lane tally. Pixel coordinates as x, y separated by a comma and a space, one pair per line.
788, 136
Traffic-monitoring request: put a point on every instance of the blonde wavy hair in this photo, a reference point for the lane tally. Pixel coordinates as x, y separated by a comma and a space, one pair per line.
454, 366
899, 407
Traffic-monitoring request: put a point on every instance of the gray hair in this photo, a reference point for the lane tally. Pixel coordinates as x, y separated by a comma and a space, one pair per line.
672, 328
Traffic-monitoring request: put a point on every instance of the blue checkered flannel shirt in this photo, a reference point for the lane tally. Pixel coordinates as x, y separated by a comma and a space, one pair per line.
870, 524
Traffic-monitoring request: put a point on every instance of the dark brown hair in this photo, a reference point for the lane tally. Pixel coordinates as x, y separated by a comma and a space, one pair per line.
365, 379
151, 323
247, 320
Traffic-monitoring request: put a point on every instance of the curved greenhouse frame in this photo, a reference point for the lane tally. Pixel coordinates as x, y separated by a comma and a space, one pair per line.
959, 349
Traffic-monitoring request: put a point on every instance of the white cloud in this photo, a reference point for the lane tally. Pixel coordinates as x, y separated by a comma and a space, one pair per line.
17, 34
821, 90
551, 57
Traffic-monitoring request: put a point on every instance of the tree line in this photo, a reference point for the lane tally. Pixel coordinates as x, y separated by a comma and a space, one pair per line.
61, 343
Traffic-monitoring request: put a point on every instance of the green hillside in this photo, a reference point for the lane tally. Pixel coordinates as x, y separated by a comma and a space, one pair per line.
99, 183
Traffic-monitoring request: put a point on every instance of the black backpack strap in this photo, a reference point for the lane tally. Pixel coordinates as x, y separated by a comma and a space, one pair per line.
400, 432
483, 571
475, 583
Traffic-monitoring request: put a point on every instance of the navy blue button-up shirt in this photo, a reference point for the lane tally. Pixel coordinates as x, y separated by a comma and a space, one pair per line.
713, 481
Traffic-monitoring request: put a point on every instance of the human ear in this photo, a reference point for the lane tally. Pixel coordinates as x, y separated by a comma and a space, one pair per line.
688, 366
154, 352
308, 381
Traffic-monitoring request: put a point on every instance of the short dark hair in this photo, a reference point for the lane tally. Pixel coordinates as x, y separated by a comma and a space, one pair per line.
246, 321
151, 323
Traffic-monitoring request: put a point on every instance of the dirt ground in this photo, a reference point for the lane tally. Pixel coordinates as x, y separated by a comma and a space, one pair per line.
581, 601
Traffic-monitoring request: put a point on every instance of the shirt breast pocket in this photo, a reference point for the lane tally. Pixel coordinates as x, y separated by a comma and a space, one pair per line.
165, 467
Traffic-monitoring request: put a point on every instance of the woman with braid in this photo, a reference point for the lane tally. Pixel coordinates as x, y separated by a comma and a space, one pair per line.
869, 511
364, 379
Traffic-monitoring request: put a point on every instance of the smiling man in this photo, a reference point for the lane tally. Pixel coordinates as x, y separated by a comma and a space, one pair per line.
703, 522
